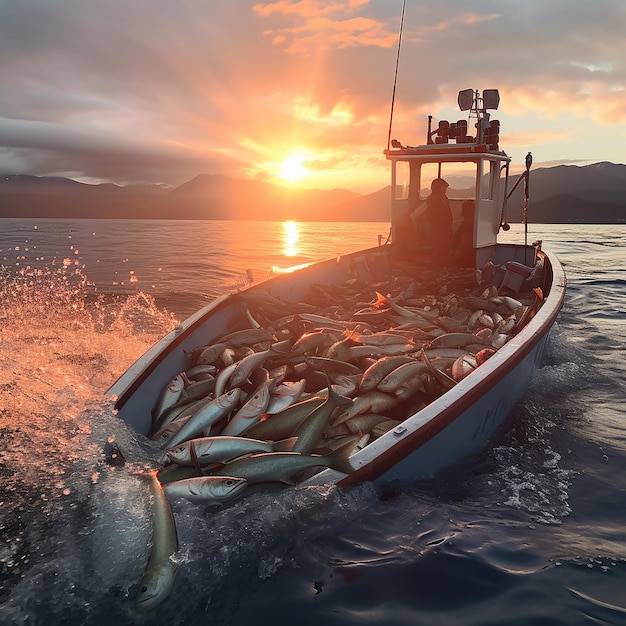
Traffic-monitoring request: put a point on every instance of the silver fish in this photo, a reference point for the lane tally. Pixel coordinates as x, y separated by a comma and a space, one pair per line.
409, 387
285, 395
220, 449
282, 424
377, 371
158, 579
222, 379
455, 340
401, 375
207, 489
211, 353
206, 416
310, 431
169, 396
283, 466
247, 337
331, 366
371, 402
165, 434
247, 365
362, 423
250, 413
313, 340
323, 321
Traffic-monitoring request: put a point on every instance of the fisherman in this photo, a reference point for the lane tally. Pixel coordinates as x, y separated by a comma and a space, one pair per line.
463, 239
432, 221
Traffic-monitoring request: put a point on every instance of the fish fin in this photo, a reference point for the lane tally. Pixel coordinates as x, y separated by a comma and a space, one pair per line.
381, 301
280, 348
344, 416
284, 445
271, 385
336, 398
340, 458
194, 456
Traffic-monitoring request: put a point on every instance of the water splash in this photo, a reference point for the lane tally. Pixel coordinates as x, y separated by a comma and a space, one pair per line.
62, 346
76, 530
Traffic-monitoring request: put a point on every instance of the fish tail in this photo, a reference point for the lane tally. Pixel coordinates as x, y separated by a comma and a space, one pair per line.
284, 445
350, 334
381, 301
340, 458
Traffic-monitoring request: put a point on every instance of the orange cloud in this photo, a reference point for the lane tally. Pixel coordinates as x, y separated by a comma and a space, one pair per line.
454, 21
308, 8
593, 100
322, 28
340, 115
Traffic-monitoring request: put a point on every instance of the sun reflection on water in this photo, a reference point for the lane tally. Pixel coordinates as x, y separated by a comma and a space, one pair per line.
291, 236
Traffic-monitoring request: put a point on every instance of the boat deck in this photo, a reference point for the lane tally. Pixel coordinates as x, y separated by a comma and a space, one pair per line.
392, 347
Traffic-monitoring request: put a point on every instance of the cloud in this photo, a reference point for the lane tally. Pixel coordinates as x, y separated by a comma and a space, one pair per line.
55, 150
308, 8
155, 90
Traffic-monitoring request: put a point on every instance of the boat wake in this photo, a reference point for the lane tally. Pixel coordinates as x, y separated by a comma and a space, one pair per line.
86, 555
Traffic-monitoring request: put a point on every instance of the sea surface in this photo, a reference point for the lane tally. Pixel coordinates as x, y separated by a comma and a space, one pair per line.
531, 531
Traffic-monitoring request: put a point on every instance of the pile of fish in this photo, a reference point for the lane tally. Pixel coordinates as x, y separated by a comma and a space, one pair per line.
305, 384
299, 387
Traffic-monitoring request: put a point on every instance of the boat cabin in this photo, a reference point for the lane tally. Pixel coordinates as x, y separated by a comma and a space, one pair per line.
477, 173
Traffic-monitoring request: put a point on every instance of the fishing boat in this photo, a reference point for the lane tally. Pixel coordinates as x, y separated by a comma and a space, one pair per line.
515, 290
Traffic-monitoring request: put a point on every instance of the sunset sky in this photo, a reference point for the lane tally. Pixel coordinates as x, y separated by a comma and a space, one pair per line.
297, 92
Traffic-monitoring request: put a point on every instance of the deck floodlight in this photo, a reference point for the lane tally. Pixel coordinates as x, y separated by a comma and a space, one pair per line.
466, 99
491, 99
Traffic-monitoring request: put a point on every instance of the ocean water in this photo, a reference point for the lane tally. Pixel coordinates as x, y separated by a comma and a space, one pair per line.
531, 531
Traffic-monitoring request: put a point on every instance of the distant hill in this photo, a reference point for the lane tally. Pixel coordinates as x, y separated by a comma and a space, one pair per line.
228, 198
566, 193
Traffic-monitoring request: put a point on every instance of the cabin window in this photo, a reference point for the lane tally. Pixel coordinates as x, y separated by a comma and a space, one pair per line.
460, 176
403, 179
488, 180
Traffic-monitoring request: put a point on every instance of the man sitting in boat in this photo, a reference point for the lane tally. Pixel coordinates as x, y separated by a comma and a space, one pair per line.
463, 239
432, 221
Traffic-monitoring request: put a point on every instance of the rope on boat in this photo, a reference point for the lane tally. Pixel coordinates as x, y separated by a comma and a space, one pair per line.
395, 79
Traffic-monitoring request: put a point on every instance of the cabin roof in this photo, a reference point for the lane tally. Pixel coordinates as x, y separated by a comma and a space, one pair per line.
446, 152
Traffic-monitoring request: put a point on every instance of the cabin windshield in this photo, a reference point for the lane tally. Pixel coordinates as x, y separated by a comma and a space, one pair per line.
460, 176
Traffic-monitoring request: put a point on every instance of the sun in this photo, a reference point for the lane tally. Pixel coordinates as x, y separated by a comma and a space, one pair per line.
291, 168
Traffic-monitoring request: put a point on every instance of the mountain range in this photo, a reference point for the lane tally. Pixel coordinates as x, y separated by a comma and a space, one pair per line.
562, 194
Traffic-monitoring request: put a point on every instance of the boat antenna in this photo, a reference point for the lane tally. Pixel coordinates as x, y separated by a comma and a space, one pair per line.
395, 79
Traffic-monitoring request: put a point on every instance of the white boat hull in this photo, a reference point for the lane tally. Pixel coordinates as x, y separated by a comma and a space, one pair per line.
457, 424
